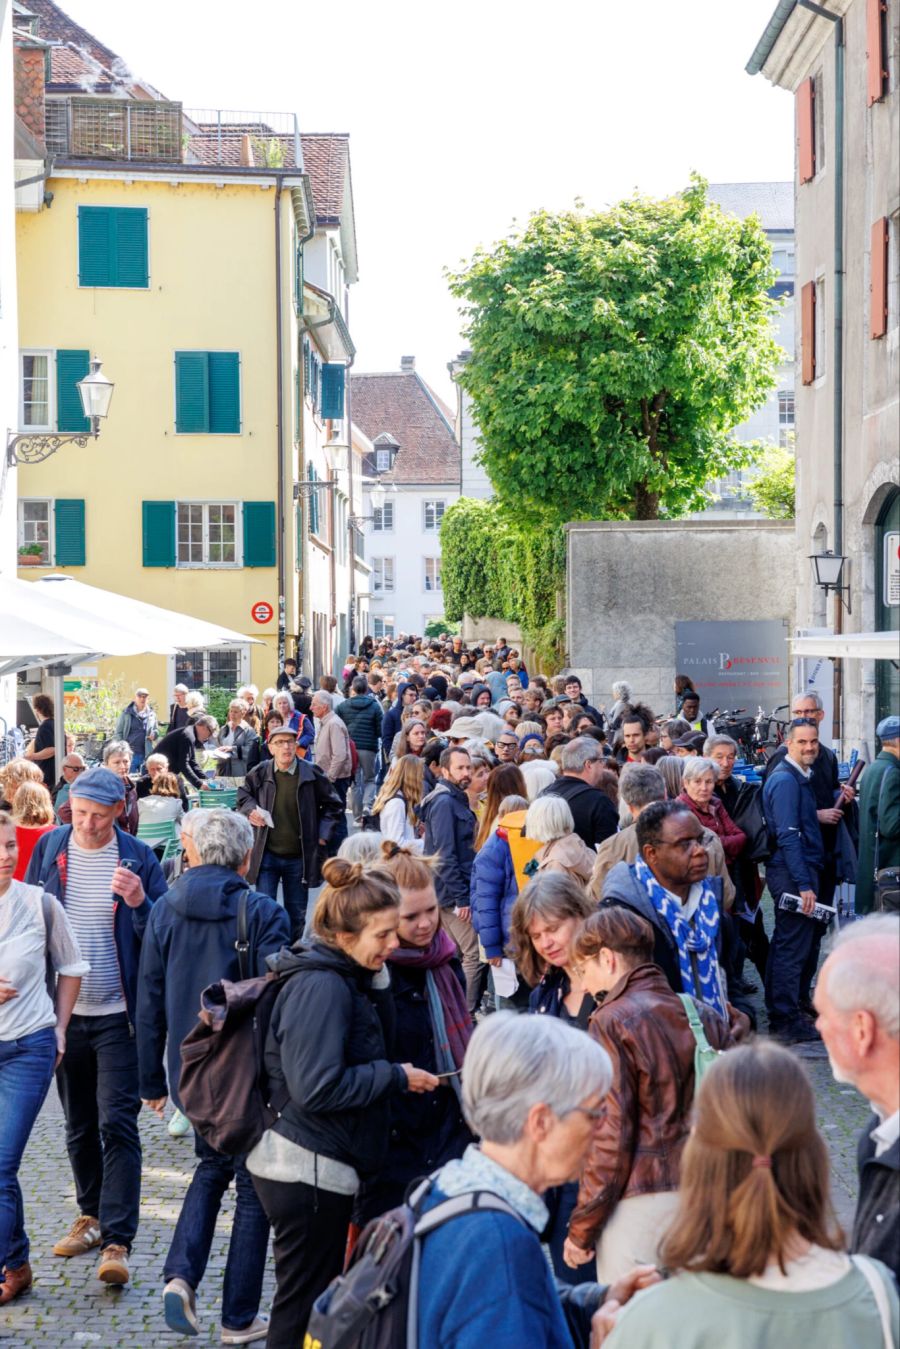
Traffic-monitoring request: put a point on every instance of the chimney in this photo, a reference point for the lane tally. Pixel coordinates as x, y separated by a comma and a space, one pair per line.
29, 87
407, 365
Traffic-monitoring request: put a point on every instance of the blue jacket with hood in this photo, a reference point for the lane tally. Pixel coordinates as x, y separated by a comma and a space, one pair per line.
494, 890
391, 724
190, 943
48, 868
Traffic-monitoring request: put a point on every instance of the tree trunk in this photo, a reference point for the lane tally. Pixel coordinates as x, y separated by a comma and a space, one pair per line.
646, 503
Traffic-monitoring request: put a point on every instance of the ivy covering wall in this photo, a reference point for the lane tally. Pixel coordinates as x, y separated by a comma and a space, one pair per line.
493, 567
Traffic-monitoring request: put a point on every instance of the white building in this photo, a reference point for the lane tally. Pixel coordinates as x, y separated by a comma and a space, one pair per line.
773, 203
405, 435
474, 481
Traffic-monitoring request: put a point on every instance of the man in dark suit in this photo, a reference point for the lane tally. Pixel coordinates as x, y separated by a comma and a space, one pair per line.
179, 747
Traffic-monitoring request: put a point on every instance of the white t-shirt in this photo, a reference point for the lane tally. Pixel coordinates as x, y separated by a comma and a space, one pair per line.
90, 906
23, 948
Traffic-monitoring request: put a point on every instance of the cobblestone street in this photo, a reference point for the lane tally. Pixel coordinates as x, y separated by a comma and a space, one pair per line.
68, 1306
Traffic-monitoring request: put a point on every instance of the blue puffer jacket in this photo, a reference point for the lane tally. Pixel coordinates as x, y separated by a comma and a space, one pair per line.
48, 868
390, 726
494, 891
789, 804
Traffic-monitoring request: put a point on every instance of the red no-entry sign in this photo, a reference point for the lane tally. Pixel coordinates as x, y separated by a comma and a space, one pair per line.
262, 612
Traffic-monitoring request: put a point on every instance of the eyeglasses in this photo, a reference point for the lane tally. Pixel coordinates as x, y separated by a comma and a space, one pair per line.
596, 1115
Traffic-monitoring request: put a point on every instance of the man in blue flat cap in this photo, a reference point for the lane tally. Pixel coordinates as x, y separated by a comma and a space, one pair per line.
879, 814
106, 881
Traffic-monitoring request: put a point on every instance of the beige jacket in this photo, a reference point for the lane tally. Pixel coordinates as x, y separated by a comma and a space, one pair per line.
570, 854
622, 847
332, 748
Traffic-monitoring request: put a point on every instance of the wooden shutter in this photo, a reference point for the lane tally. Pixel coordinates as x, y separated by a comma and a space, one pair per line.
68, 540
224, 392
158, 519
71, 366
259, 533
808, 331
332, 392
191, 392
876, 74
94, 256
878, 279
806, 130
128, 246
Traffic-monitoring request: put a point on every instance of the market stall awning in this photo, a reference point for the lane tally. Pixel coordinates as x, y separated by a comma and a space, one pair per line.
850, 646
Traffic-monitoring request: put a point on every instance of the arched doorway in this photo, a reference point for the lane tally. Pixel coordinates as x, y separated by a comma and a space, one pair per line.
887, 603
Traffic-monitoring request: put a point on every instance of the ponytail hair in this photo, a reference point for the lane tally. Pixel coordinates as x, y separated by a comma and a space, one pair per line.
409, 870
352, 892
754, 1173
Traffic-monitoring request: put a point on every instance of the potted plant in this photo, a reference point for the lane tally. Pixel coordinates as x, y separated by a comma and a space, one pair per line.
31, 555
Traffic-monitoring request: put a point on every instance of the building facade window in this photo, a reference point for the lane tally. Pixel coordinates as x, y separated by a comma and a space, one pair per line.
216, 667
382, 626
36, 403
383, 518
382, 575
820, 346
785, 417
207, 534
433, 514
382, 461
36, 529
893, 283
432, 573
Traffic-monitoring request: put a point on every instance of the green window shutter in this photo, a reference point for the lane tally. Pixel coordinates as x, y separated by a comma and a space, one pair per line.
94, 251
128, 246
224, 392
191, 392
259, 533
71, 366
69, 533
312, 518
159, 533
332, 392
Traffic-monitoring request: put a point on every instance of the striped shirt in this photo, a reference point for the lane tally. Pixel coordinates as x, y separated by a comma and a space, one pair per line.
90, 909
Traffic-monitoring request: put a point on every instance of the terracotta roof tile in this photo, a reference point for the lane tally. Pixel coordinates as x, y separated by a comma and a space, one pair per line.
56, 26
402, 405
324, 158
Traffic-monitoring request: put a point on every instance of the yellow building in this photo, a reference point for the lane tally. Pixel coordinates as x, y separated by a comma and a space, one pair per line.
171, 245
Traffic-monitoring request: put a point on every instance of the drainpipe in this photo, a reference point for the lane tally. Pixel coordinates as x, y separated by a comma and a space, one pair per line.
279, 426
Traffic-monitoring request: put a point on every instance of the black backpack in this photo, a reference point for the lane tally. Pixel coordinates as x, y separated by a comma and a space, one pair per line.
375, 1303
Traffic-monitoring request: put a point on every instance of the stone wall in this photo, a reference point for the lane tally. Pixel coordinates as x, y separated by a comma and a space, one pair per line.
630, 582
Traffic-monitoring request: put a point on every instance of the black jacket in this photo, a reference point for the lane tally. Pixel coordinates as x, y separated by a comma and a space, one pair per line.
319, 806
362, 715
189, 943
594, 814
178, 747
178, 717
450, 831
876, 1225
327, 1049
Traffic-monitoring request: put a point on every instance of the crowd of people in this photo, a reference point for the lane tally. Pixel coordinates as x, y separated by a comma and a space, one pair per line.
517, 940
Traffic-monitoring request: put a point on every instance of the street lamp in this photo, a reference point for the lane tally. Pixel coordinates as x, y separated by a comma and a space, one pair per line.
828, 569
376, 496
96, 392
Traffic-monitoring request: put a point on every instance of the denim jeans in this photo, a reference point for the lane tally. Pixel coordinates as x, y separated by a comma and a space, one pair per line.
196, 1228
342, 787
288, 870
26, 1070
98, 1087
363, 793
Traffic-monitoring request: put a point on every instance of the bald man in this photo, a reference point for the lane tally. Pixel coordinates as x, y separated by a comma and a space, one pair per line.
857, 999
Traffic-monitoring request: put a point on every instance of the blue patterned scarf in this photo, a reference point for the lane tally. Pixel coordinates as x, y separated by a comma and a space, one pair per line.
696, 938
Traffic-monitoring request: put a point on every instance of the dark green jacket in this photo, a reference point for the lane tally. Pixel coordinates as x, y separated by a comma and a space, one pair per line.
887, 822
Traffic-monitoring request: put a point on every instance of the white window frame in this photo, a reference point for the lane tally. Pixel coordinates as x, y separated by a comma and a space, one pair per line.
821, 334
382, 461
786, 428
436, 586
383, 575
386, 623
244, 663
433, 503
238, 536
893, 318
51, 526
819, 121
378, 515
50, 353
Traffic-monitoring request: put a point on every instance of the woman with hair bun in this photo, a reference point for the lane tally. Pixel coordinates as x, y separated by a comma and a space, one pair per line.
326, 1057
755, 1255
433, 1027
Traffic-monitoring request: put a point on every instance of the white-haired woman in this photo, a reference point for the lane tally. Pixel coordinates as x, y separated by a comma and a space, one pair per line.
549, 822
240, 739
533, 1093
621, 693
538, 775
698, 788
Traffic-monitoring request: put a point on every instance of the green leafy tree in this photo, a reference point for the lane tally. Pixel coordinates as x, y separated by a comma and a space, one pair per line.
437, 626
772, 490
614, 351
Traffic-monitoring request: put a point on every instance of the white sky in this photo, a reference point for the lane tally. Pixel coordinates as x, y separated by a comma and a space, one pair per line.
465, 116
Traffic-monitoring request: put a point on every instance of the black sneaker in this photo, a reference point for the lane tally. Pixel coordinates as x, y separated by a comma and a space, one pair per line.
801, 1034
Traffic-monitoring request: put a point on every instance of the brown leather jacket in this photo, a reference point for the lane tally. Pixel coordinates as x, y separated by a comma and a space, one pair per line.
644, 1028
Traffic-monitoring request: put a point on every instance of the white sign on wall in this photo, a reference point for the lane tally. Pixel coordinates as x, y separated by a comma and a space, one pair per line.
892, 569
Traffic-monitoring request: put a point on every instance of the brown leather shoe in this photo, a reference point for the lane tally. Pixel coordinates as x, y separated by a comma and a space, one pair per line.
83, 1237
113, 1267
15, 1282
